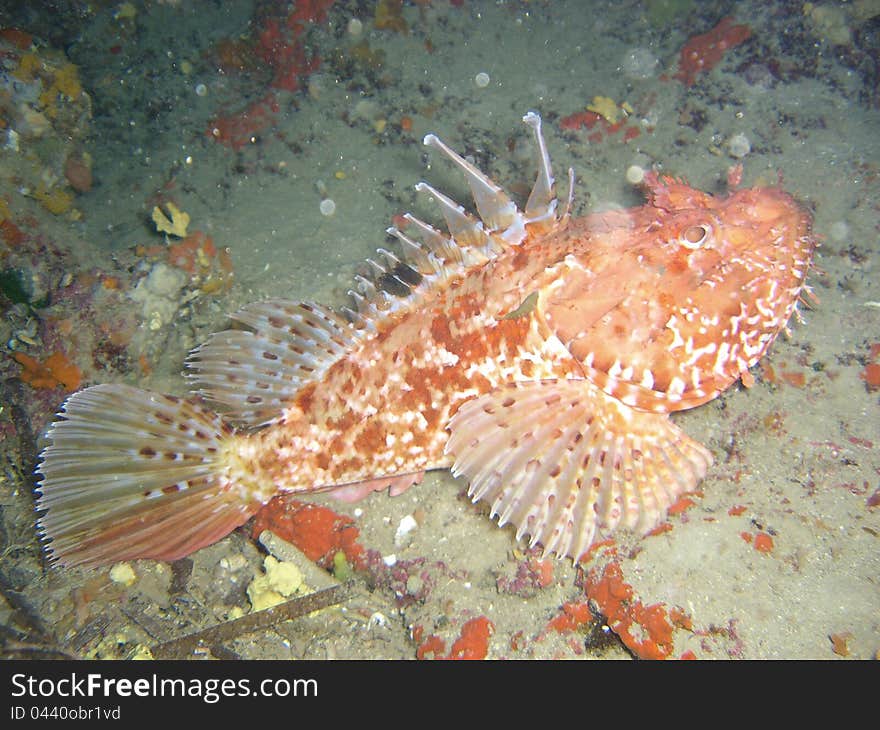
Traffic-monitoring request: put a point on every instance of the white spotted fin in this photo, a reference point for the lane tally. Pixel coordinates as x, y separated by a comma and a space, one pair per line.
566, 463
131, 474
255, 373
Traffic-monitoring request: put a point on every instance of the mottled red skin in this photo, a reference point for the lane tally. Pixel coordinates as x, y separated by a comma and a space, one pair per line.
608, 285
543, 366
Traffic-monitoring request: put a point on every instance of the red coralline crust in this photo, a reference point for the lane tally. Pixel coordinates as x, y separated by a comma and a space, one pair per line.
871, 373
588, 120
280, 46
871, 376
11, 233
285, 54
306, 12
596, 547
645, 630
660, 529
431, 648
763, 543
683, 504
19, 38
472, 643
277, 44
318, 531
474, 640
238, 129
543, 571
795, 379
185, 254
55, 371
573, 615
703, 52
580, 119
631, 133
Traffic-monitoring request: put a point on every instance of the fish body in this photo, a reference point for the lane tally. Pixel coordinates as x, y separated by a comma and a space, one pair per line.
537, 355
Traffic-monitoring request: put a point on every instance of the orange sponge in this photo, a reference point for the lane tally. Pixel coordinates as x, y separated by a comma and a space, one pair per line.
55, 370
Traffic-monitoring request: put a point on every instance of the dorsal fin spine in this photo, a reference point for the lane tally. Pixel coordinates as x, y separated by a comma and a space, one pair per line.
542, 200
496, 209
463, 227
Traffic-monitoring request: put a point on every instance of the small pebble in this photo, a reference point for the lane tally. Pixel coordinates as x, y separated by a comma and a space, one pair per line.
406, 526
123, 574
233, 563
355, 27
414, 584
482, 80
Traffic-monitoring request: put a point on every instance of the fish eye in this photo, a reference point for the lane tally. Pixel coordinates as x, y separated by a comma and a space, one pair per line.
695, 236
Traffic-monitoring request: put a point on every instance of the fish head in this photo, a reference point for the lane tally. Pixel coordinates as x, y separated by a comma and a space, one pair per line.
667, 305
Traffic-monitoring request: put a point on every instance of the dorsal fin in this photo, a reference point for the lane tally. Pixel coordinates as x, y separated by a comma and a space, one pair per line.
500, 218
255, 373
542, 200
429, 256
496, 209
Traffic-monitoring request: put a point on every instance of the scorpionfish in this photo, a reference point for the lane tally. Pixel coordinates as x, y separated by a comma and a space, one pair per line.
536, 354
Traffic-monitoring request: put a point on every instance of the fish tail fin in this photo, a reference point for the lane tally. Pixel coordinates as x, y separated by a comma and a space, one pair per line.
130, 474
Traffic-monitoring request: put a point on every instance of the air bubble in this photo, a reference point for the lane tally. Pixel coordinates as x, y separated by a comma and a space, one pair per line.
839, 231
639, 63
328, 207
482, 79
635, 174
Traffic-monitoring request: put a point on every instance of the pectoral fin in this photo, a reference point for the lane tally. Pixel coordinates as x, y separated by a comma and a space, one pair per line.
567, 463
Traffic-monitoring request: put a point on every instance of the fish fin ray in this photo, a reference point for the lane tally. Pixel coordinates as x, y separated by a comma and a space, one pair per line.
396, 485
130, 474
255, 373
566, 463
